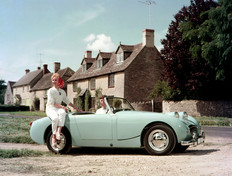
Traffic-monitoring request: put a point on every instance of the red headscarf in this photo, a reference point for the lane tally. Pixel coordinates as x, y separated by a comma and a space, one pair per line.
61, 82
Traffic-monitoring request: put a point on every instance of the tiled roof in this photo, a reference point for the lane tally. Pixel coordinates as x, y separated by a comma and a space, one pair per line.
28, 78
88, 60
104, 54
111, 66
45, 82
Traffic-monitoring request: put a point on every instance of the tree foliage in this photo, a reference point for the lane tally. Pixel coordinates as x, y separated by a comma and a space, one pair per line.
192, 76
79, 101
214, 39
2, 91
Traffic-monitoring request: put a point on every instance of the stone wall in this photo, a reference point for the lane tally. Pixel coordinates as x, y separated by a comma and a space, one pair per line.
200, 108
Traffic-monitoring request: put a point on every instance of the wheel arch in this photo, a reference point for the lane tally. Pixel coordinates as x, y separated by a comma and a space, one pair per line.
152, 124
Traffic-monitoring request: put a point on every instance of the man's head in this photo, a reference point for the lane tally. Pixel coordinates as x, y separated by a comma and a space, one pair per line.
102, 102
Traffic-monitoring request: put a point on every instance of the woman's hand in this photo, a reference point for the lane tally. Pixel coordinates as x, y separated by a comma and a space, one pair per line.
65, 108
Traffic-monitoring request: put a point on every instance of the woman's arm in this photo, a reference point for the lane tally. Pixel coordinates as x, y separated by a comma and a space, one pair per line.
72, 105
60, 106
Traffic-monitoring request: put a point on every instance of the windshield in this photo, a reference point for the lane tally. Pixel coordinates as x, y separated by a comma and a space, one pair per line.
119, 104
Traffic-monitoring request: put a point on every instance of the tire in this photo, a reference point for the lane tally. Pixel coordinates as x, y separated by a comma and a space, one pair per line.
63, 146
159, 140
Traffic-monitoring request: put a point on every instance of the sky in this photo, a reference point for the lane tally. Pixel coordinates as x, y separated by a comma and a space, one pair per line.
37, 32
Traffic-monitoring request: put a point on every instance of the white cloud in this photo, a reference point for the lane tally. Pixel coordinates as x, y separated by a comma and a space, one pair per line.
80, 17
99, 42
90, 38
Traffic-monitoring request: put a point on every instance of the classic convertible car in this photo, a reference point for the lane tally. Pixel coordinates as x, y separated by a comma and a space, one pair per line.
122, 127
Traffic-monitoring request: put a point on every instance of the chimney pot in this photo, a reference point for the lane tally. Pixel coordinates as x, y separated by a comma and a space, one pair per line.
56, 66
27, 71
38, 68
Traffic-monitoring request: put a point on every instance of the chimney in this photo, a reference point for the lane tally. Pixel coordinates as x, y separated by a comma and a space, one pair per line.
148, 37
88, 54
27, 71
45, 69
56, 66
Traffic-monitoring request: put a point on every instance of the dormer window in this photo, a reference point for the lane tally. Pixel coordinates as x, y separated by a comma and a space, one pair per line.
120, 57
99, 63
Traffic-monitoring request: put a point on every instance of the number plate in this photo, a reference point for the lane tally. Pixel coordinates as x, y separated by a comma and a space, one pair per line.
200, 140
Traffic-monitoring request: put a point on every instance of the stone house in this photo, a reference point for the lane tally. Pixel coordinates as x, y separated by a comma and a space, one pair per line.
131, 72
39, 91
21, 89
9, 98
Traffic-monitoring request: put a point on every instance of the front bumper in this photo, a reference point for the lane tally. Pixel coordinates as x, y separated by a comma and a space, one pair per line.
195, 140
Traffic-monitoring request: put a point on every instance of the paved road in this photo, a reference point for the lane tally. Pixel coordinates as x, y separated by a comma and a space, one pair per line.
222, 132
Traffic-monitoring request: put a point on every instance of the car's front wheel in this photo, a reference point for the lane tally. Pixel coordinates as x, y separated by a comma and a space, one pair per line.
159, 139
63, 145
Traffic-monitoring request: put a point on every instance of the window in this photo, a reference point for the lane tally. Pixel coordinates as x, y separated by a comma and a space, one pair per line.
111, 81
99, 63
120, 57
92, 84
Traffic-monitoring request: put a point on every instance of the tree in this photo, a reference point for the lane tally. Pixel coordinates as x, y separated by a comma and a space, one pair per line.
87, 100
79, 101
215, 36
191, 76
2, 91
211, 41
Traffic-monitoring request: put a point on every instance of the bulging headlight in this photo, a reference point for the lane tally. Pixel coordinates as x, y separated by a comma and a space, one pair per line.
185, 115
177, 115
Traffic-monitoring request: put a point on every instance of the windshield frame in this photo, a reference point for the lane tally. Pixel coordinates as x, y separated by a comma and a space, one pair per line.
122, 103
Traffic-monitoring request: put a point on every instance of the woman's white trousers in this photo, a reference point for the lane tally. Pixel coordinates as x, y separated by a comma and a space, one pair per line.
57, 116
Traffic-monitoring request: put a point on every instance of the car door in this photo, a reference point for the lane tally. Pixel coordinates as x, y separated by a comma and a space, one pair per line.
95, 127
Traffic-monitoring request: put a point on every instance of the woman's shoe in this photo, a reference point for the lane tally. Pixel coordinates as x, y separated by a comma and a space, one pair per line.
54, 145
58, 136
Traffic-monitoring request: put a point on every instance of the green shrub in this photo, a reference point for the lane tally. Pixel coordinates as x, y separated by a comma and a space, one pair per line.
163, 90
5, 108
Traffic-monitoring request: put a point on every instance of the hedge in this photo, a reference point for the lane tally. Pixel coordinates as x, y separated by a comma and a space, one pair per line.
7, 108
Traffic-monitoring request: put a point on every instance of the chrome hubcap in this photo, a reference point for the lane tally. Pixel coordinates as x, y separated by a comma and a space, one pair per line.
158, 140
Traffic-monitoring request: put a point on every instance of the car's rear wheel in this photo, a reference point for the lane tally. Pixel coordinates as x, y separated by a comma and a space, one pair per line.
63, 145
159, 140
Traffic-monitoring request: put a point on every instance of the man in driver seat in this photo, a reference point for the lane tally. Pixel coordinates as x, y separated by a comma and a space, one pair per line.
103, 109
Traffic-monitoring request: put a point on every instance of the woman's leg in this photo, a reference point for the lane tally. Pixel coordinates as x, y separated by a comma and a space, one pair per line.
62, 115
53, 114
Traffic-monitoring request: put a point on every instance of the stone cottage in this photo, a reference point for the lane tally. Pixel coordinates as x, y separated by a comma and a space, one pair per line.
131, 72
39, 91
21, 89
9, 98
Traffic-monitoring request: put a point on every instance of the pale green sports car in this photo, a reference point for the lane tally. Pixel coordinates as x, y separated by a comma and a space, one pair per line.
122, 127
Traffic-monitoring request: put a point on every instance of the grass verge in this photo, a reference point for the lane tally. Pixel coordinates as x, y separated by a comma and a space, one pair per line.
21, 153
214, 121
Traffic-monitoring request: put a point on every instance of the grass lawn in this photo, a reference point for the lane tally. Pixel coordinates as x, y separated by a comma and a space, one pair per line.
15, 130
26, 113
